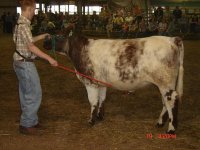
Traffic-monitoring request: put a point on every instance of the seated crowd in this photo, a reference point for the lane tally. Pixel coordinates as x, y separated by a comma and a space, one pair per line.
131, 24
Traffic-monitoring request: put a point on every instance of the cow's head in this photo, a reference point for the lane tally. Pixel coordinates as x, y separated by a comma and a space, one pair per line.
74, 44
67, 44
59, 41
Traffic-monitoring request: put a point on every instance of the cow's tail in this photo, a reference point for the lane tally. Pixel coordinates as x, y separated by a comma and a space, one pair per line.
179, 85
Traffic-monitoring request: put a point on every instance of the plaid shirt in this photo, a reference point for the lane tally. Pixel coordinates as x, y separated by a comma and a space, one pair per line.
22, 37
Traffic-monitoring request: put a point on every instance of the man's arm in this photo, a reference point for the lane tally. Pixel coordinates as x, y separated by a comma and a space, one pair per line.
41, 54
40, 37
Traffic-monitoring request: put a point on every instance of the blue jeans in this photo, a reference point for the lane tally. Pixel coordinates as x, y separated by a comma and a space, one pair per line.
30, 92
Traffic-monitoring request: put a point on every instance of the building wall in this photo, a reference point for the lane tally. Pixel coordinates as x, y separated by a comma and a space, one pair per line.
173, 3
8, 6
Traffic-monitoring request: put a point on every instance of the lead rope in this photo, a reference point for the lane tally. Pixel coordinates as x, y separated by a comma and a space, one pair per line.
85, 76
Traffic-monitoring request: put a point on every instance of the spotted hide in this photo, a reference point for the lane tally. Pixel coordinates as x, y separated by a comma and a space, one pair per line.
128, 64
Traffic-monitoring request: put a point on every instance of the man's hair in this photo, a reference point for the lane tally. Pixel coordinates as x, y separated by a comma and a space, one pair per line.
26, 3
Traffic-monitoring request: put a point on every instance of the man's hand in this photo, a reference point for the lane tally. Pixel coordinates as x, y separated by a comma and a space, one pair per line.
53, 62
47, 35
41, 37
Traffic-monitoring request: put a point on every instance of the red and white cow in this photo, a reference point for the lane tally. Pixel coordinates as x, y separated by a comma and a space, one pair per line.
128, 64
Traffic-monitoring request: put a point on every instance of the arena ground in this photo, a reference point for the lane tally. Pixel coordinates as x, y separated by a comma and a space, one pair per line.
65, 109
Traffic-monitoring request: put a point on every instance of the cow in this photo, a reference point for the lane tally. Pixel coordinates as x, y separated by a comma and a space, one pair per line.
129, 64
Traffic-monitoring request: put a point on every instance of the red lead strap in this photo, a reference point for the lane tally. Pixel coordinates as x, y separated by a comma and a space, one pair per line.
76, 72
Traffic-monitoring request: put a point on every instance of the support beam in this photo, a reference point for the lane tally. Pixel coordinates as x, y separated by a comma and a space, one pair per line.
79, 7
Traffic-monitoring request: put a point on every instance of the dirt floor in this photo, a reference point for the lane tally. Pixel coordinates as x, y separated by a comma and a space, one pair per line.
64, 112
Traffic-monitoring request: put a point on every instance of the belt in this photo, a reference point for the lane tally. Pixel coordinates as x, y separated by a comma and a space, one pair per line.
26, 60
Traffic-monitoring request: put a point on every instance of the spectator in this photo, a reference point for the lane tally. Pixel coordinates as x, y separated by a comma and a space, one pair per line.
50, 26
40, 18
136, 10
162, 27
177, 13
193, 24
159, 14
152, 27
34, 25
60, 20
142, 28
65, 20
133, 29
125, 29
118, 21
94, 21
167, 13
121, 12
103, 18
109, 26
3, 18
51, 16
139, 17
43, 27
184, 24
76, 20
129, 18
173, 28
84, 21
89, 23
9, 23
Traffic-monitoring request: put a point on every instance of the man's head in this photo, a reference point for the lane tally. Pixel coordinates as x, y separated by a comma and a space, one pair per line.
129, 13
177, 7
28, 8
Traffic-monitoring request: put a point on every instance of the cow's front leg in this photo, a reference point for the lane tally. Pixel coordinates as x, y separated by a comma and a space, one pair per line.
163, 116
93, 93
171, 103
102, 97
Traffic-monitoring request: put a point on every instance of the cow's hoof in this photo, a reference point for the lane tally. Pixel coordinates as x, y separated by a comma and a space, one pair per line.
100, 117
91, 122
158, 125
171, 132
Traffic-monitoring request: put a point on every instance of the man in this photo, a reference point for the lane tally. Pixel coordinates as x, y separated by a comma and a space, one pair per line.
118, 21
3, 18
177, 13
29, 83
94, 20
129, 18
159, 14
9, 23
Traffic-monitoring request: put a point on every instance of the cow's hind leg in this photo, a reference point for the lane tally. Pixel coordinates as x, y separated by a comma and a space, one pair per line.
170, 98
163, 116
93, 93
102, 96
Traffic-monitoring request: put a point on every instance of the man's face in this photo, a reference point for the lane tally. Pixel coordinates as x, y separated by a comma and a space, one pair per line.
32, 11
